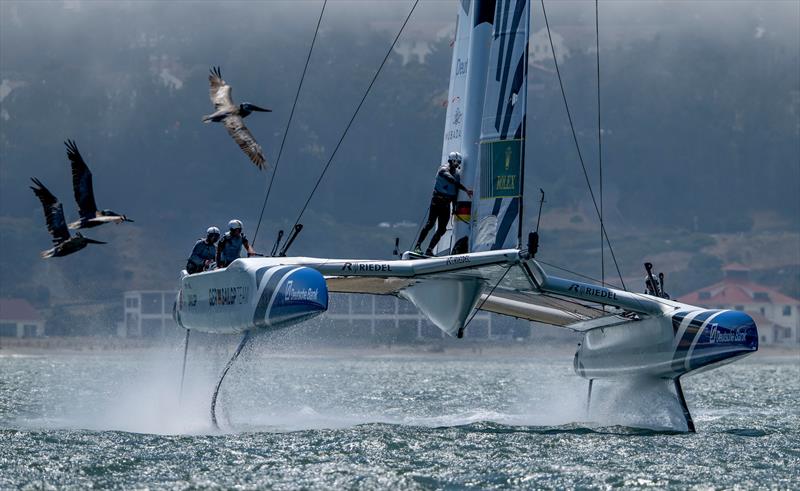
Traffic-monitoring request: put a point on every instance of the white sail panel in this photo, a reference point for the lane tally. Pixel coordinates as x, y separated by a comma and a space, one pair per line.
464, 106
497, 202
456, 94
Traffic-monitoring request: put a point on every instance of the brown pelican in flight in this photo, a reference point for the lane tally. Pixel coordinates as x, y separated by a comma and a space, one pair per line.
57, 225
232, 116
84, 194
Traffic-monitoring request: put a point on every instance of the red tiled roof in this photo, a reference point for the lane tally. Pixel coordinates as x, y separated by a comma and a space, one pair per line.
728, 292
15, 309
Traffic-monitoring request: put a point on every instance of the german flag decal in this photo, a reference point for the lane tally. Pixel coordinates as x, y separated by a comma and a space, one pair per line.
463, 211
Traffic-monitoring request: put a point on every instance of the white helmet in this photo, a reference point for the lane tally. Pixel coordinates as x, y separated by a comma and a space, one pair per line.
212, 230
234, 224
454, 157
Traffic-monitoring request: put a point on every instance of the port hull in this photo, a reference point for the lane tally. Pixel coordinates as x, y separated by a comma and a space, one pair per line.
246, 296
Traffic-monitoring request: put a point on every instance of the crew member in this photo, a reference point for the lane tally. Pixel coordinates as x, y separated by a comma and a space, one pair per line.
204, 252
230, 246
445, 192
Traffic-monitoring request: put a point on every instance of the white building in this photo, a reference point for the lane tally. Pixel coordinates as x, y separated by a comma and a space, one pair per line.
19, 319
368, 314
147, 313
777, 315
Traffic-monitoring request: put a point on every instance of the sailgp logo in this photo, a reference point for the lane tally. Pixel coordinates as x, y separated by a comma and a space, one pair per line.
303, 294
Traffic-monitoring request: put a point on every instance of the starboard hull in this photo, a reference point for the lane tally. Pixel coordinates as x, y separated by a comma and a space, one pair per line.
666, 346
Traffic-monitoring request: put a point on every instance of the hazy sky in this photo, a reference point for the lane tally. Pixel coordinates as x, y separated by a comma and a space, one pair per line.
90, 70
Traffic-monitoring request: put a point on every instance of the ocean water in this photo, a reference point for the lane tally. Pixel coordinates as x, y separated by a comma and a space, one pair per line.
386, 420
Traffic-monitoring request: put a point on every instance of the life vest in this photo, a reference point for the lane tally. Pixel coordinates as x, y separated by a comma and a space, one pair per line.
445, 186
231, 247
203, 251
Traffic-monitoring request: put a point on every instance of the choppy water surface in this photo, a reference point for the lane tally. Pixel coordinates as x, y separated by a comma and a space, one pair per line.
377, 421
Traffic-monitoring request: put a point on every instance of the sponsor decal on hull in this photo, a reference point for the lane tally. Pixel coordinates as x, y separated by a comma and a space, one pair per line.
232, 295
589, 291
359, 267
719, 335
457, 260
300, 294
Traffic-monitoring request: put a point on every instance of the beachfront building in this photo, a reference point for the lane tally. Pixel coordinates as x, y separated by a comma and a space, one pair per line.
18, 319
777, 315
147, 313
367, 315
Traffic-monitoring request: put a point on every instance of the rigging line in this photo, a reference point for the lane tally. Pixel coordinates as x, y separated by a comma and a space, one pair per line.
358, 108
478, 308
558, 303
289, 122
599, 142
576, 315
587, 277
577, 146
419, 229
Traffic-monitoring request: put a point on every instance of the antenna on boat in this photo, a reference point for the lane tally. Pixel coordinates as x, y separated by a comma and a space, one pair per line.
533, 237
541, 205
292, 235
277, 244
664, 294
652, 286
650, 281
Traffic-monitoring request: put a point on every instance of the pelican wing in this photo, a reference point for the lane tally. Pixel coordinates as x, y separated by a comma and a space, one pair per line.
245, 140
81, 182
53, 212
219, 91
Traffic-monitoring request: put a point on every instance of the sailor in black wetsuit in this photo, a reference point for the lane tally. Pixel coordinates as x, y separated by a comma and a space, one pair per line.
445, 192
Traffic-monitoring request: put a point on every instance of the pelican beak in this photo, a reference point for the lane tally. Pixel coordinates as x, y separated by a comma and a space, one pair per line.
92, 241
260, 109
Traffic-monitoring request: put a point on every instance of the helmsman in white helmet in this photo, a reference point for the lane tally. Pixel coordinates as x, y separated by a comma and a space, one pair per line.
204, 252
230, 246
445, 192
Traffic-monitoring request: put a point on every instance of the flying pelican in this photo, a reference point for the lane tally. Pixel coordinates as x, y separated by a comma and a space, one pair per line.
84, 194
232, 116
57, 226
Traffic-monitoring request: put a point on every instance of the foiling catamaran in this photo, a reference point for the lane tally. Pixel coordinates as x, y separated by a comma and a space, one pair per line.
482, 262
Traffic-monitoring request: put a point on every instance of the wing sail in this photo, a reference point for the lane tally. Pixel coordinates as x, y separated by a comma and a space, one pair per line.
498, 185
488, 126
464, 105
